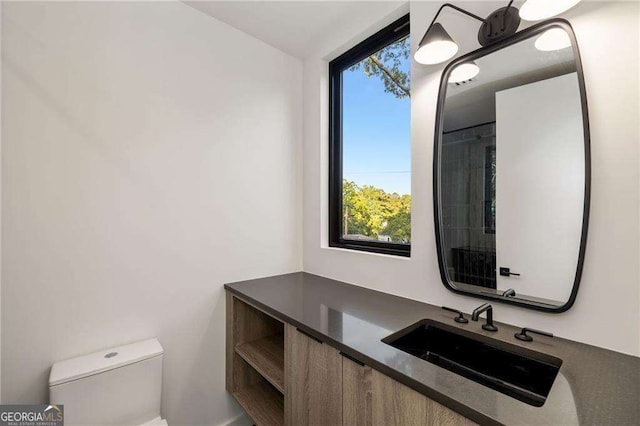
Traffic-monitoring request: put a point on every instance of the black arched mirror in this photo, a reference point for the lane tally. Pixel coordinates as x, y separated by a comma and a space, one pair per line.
512, 170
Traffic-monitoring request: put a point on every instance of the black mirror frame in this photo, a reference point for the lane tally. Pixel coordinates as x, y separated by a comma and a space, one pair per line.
476, 54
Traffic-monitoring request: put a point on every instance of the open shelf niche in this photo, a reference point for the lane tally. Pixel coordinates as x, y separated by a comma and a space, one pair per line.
255, 358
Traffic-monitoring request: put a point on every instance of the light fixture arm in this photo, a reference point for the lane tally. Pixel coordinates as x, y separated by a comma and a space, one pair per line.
459, 9
500, 24
504, 15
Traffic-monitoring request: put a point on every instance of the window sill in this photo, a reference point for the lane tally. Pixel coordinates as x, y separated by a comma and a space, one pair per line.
372, 250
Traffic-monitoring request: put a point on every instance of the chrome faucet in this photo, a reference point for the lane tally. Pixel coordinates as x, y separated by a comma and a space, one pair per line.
489, 324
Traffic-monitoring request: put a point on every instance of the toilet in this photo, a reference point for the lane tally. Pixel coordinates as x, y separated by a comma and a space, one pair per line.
117, 386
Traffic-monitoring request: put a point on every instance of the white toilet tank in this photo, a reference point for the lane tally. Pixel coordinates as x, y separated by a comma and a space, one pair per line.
117, 386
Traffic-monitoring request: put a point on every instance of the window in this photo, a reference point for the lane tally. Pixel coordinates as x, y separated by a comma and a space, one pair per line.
370, 144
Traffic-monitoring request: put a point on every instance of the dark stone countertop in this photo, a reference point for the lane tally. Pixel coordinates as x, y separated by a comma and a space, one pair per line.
595, 386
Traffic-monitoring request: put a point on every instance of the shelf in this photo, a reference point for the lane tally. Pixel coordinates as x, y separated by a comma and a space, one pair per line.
263, 403
266, 356
255, 362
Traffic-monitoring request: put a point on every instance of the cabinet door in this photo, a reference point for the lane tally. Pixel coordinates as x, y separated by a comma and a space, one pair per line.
396, 404
313, 381
356, 394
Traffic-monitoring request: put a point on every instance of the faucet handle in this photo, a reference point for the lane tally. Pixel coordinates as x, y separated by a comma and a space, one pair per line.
509, 293
526, 338
460, 318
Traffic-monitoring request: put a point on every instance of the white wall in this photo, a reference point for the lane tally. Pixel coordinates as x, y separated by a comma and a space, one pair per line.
151, 154
607, 35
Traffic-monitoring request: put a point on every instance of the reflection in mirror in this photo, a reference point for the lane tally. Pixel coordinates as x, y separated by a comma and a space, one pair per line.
513, 171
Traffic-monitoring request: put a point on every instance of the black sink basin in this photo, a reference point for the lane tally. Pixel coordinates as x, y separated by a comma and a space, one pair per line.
520, 373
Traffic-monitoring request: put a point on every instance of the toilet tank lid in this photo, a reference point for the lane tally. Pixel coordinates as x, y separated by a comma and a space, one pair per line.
101, 361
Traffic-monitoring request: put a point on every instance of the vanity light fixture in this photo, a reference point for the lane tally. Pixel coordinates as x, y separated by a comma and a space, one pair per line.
534, 10
553, 39
464, 72
437, 46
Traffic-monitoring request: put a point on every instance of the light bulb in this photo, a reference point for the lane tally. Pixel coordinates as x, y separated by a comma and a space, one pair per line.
464, 72
436, 52
535, 10
553, 39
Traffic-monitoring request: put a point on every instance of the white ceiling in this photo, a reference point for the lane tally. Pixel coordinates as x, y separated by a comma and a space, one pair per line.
295, 27
517, 61
474, 101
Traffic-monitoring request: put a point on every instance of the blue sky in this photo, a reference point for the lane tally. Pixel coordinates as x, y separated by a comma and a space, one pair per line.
376, 133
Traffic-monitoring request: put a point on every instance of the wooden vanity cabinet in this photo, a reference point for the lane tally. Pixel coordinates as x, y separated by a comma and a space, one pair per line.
281, 375
396, 404
313, 381
357, 409
372, 398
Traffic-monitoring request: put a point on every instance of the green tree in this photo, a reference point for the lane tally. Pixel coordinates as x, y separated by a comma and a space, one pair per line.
386, 64
371, 212
353, 210
399, 224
